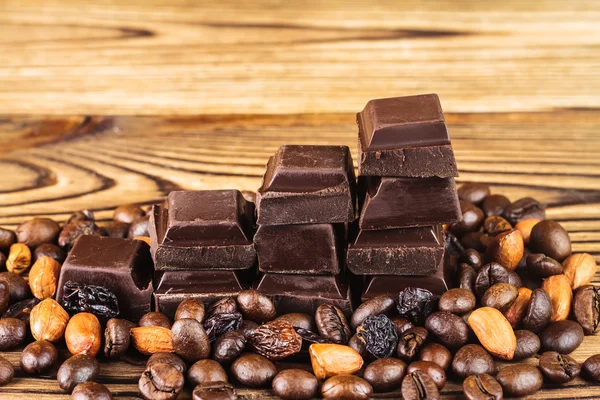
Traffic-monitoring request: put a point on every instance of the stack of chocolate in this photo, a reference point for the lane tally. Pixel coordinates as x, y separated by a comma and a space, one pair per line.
201, 243
406, 191
304, 205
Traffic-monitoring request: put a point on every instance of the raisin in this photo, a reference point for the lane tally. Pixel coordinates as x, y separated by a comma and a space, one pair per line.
275, 340
416, 304
218, 324
453, 245
94, 299
311, 337
21, 310
332, 324
378, 333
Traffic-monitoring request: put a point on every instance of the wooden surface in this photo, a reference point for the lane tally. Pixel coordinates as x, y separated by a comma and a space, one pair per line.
518, 80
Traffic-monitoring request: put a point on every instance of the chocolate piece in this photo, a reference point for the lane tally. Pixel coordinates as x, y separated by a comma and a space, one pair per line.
301, 249
406, 202
304, 293
121, 266
206, 229
405, 137
407, 251
172, 287
307, 185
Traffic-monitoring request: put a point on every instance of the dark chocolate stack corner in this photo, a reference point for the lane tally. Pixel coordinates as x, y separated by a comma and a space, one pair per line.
304, 205
406, 191
201, 243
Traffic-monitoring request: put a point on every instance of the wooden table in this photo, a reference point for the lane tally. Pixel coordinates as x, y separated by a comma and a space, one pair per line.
518, 80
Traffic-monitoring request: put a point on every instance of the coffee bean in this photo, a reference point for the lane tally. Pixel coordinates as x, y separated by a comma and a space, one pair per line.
139, 228
299, 320
74, 230
472, 219
358, 345
543, 266
4, 296
347, 387
190, 341
7, 371
155, 318
419, 386
473, 192
586, 304
496, 225
37, 231
49, 250
489, 275
21, 310
471, 257
591, 368
520, 379
500, 296
7, 239
466, 277
117, 337
17, 285
494, 204
295, 384
435, 372
161, 381
12, 333
253, 370
2, 261
514, 279
332, 324
472, 240
401, 324
538, 312
75, 370
452, 245
524, 208
214, 391
247, 327
562, 336
550, 238
229, 347
410, 342
448, 328
385, 374
436, 353
128, 213
116, 229
38, 357
82, 215
91, 391
372, 307
205, 371
458, 301
482, 387
168, 358
255, 306
528, 344
473, 359
559, 368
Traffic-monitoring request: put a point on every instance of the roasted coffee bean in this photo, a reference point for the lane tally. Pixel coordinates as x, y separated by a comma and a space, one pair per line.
82, 215
275, 340
496, 225
385, 374
299, 320
117, 337
473, 192
229, 347
457, 301
435, 372
591, 368
410, 343
375, 306
38, 357
416, 304
472, 240
246, 327
332, 324
295, 384
538, 312
528, 344
358, 345
255, 306
379, 335
139, 228
74, 230
472, 219
562, 336
190, 341
17, 285
7, 239
500, 296
436, 353
91, 391
419, 386
75, 370
13, 332
524, 208
559, 368
37, 231
128, 213
401, 324
4, 296
489, 275
49, 250
494, 204
550, 238
214, 391
473, 359
453, 246
520, 379
482, 387
586, 307
168, 358
226, 305
155, 318
21, 310
514, 279
471, 257
253, 370
543, 266
116, 229
205, 371
448, 328
7, 371
2, 261
466, 277
220, 323
161, 381
347, 387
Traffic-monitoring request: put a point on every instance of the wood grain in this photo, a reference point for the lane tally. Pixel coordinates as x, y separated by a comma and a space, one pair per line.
229, 57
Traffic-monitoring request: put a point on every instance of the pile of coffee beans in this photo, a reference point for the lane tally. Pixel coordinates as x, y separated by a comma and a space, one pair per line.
518, 293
